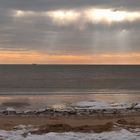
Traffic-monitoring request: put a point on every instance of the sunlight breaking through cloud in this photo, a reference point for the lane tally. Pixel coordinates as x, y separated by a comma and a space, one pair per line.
20, 13
63, 17
106, 16
92, 15
109, 15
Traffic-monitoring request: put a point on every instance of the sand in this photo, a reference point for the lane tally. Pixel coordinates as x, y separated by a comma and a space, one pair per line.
73, 123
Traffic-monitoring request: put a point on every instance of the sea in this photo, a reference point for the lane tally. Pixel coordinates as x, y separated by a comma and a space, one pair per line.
57, 85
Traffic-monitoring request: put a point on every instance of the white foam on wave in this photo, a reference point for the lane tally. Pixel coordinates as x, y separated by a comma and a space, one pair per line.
100, 105
78, 106
89, 104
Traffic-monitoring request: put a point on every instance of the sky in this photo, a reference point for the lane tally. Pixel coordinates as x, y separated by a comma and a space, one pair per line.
70, 31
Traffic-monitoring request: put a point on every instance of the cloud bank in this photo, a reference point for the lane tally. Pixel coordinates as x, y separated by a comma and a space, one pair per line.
78, 28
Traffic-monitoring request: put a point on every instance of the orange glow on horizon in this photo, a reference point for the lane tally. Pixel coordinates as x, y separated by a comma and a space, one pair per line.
29, 57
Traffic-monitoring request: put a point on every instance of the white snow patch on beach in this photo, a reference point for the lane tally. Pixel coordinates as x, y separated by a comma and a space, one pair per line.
138, 105
122, 134
9, 109
121, 105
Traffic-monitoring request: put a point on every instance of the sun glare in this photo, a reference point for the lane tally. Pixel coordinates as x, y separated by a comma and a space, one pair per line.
20, 13
93, 15
64, 16
109, 15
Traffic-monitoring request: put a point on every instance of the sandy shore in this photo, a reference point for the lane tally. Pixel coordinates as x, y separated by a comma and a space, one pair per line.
86, 116
76, 123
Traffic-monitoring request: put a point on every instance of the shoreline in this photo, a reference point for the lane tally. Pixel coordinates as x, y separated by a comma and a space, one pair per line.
87, 117
84, 116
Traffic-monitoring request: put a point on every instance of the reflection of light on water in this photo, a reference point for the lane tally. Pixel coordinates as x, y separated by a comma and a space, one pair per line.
3, 98
62, 101
117, 98
58, 106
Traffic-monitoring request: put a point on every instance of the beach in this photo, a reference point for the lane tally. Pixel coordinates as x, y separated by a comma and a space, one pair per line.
112, 127
9, 122
91, 114
42, 102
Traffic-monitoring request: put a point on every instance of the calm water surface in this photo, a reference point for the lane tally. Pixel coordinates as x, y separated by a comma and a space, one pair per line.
42, 85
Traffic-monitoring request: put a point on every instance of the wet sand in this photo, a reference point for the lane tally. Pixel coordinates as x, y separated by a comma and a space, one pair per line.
75, 123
